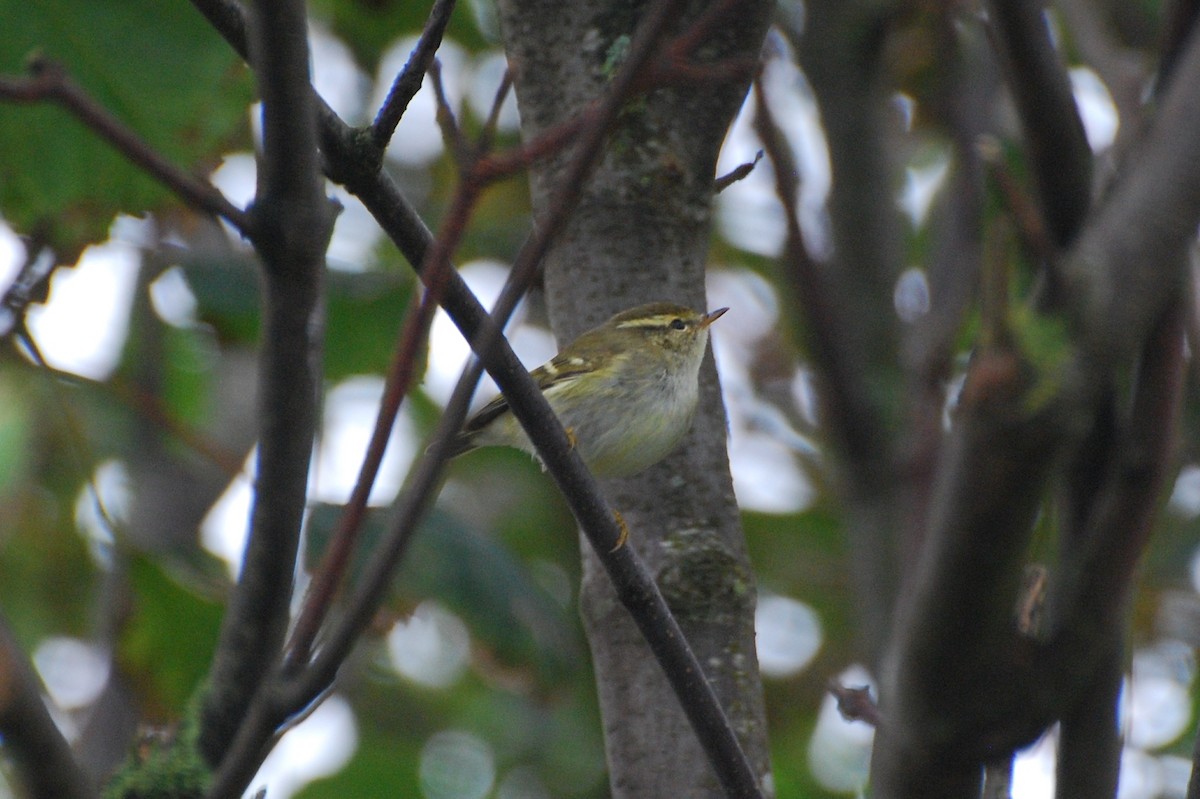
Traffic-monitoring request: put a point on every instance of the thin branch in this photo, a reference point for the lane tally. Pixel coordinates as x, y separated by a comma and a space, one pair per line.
49, 81
675, 63
856, 704
413, 336
446, 120
145, 404
1061, 159
1030, 224
854, 420
31, 284
292, 224
42, 757
518, 159
408, 82
229, 18
153, 409
492, 124
740, 172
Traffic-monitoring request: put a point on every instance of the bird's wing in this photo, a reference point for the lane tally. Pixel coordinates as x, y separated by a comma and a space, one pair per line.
559, 371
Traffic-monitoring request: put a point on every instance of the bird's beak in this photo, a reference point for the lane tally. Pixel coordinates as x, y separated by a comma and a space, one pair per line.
712, 317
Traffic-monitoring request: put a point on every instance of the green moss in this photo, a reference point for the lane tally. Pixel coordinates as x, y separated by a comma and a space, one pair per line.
169, 768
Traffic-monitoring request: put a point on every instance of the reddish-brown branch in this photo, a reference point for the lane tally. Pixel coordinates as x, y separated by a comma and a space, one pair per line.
413, 337
48, 81
488, 134
498, 166
446, 120
1024, 211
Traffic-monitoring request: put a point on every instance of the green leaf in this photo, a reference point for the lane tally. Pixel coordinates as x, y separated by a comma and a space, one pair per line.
228, 295
364, 312
157, 67
170, 636
370, 27
474, 577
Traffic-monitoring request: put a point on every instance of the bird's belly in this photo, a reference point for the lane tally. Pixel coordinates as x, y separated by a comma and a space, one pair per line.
637, 441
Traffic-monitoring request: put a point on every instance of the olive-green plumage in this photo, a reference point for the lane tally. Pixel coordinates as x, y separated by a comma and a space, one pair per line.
626, 391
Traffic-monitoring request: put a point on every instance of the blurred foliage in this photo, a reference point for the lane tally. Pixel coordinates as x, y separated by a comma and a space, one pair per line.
370, 27
517, 623
46, 570
188, 101
364, 311
168, 637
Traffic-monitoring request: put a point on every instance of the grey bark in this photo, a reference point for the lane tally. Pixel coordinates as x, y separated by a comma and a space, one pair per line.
641, 233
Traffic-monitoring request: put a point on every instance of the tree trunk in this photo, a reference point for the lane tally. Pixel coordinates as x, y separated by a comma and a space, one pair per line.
641, 233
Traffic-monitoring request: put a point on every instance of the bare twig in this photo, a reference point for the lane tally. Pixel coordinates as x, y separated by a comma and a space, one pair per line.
676, 64
408, 82
490, 126
739, 172
856, 704
446, 120
31, 284
1030, 224
854, 420
49, 81
145, 404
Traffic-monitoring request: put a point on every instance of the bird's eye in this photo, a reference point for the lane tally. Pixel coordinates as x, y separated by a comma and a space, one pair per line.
677, 324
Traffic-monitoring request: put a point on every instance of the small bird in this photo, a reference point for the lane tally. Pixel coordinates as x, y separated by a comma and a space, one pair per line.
625, 391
